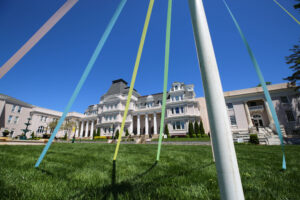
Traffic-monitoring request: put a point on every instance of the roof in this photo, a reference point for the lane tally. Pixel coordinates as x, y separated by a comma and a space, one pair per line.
13, 100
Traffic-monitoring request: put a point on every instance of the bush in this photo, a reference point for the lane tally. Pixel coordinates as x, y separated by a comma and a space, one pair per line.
191, 129
100, 137
254, 139
46, 136
126, 133
117, 134
167, 131
32, 135
65, 137
5, 133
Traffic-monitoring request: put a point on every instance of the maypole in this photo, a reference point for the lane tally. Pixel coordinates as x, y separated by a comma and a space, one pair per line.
227, 167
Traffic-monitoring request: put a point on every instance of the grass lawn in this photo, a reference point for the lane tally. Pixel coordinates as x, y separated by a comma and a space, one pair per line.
86, 171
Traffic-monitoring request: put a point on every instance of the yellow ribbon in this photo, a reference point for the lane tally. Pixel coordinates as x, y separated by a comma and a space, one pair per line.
136, 67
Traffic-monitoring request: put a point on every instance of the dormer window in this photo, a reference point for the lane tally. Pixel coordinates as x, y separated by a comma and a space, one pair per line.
175, 87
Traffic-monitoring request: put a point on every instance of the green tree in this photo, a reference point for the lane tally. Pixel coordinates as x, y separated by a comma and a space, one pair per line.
267, 83
294, 61
202, 131
52, 125
196, 128
117, 134
98, 132
32, 134
167, 130
126, 133
191, 130
68, 126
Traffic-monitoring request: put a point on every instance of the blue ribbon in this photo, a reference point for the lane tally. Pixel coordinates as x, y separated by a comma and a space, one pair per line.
263, 84
83, 77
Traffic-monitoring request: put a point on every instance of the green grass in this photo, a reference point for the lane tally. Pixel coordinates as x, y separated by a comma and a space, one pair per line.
85, 171
183, 139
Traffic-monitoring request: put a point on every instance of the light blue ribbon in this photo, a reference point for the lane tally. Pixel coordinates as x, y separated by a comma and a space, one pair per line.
263, 84
83, 77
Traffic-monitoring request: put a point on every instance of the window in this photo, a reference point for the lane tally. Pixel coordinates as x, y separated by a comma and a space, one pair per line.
175, 87
289, 115
232, 120
115, 117
177, 98
45, 118
182, 125
252, 103
229, 105
19, 110
182, 110
284, 99
42, 118
172, 110
178, 125
177, 110
9, 119
13, 108
40, 129
16, 120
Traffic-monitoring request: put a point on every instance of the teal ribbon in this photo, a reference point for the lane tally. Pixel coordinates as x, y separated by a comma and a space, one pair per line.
263, 83
83, 77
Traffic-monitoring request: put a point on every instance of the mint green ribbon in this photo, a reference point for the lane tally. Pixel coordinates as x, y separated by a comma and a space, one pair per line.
263, 84
167, 53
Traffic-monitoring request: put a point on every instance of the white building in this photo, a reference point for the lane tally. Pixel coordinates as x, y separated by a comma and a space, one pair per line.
248, 113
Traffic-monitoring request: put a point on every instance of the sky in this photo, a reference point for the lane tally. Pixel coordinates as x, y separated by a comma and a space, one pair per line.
48, 74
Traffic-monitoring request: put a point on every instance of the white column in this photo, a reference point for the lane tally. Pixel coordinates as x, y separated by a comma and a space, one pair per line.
138, 125
92, 130
86, 128
272, 123
146, 124
250, 124
226, 163
81, 129
154, 123
77, 129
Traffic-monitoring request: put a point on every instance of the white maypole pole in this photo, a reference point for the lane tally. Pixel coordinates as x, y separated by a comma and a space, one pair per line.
227, 168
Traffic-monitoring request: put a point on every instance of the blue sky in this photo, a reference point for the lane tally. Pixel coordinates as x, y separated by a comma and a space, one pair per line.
48, 74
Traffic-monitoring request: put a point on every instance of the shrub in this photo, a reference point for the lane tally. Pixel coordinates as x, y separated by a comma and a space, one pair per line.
201, 129
100, 137
65, 137
5, 133
117, 134
254, 139
126, 132
32, 135
191, 130
167, 131
196, 129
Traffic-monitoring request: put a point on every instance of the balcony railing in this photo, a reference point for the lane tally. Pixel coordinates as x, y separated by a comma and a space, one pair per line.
256, 108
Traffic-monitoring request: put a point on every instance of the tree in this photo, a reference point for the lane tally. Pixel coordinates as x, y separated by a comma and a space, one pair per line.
202, 131
98, 132
52, 125
68, 126
297, 5
191, 130
294, 61
117, 134
167, 130
32, 134
196, 128
126, 133
267, 83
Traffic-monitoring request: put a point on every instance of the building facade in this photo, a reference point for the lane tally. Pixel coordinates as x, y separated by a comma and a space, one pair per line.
248, 113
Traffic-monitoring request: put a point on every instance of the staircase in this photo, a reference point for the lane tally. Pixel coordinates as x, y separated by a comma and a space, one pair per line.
267, 136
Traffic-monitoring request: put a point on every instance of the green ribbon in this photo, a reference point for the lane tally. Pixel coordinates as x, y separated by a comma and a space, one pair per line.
263, 84
167, 53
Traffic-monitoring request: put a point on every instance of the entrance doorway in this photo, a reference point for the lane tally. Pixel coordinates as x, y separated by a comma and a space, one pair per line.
257, 121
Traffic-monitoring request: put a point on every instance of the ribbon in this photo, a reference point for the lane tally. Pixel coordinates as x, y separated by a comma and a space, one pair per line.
167, 56
83, 77
263, 84
37, 37
136, 67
